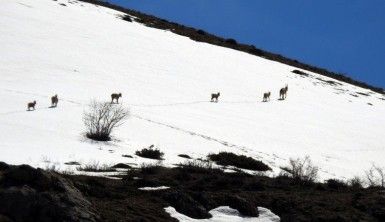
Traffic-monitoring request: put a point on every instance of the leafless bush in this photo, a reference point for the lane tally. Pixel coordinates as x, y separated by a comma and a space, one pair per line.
198, 166
150, 168
101, 118
67, 172
150, 153
240, 161
54, 167
356, 182
51, 167
301, 169
96, 167
375, 176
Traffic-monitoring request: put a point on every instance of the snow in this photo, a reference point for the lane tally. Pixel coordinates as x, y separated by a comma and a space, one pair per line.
82, 52
224, 214
154, 188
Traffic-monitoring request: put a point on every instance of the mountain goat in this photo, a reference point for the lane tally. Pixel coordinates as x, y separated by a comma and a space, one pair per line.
115, 96
215, 96
266, 96
283, 92
54, 100
31, 105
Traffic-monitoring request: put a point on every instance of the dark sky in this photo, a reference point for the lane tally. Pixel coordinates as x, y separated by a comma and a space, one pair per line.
346, 36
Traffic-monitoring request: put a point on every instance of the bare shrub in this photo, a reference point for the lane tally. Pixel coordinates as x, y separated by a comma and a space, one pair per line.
150, 168
336, 184
51, 167
54, 168
67, 172
96, 167
240, 161
356, 182
301, 169
102, 118
375, 176
198, 166
150, 153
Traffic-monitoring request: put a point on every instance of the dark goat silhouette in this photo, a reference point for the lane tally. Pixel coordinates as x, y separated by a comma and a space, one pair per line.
54, 100
266, 96
283, 92
215, 96
31, 105
115, 96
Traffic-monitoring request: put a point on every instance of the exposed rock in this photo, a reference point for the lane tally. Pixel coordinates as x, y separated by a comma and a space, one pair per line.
28, 194
184, 204
4, 219
244, 206
121, 166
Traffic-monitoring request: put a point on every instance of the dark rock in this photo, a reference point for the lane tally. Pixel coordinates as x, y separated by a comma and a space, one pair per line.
127, 18
28, 194
184, 204
379, 213
210, 201
244, 206
5, 219
184, 156
3, 166
126, 155
72, 163
121, 166
24, 174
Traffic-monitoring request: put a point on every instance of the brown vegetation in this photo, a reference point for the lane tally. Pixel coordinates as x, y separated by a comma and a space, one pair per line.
28, 194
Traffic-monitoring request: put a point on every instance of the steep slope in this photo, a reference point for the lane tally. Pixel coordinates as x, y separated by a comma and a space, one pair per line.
81, 52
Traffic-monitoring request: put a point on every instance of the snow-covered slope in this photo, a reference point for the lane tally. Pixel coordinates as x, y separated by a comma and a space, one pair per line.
82, 52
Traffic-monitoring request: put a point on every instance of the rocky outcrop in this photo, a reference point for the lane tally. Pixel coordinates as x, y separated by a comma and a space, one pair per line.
28, 194
184, 204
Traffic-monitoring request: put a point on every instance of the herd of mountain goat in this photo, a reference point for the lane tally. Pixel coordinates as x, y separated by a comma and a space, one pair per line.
115, 97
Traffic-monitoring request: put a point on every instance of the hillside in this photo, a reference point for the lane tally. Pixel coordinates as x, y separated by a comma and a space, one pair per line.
82, 52
193, 193
203, 36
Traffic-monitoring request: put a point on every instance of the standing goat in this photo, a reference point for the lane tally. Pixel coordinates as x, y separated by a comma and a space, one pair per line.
115, 96
266, 96
283, 92
215, 96
31, 105
54, 100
